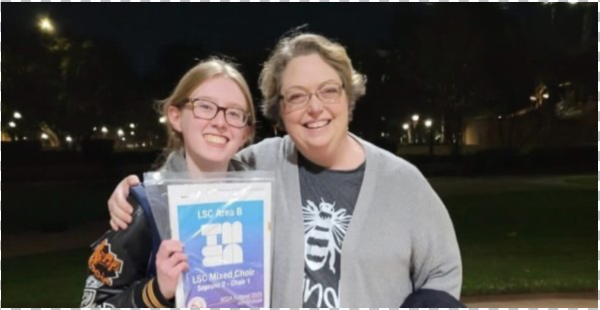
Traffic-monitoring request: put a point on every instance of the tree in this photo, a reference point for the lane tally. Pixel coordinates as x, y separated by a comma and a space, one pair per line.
448, 65
67, 84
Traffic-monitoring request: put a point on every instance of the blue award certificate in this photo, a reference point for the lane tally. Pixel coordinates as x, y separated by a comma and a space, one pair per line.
225, 230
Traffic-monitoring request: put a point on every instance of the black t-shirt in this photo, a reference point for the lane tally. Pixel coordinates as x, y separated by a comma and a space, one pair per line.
328, 200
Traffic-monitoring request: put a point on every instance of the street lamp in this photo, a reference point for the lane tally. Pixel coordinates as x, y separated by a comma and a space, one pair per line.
406, 126
428, 124
17, 115
12, 124
120, 132
132, 126
415, 120
46, 25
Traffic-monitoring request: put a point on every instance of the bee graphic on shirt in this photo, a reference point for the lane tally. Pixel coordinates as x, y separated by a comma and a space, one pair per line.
324, 231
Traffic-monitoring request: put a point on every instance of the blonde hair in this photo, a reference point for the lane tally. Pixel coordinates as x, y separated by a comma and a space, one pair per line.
304, 44
202, 72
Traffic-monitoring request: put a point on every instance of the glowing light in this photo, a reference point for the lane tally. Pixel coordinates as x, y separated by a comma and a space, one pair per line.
104, 129
415, 118
12, 124
120, 132
162, 120
132, 125
46, 25
69, 139
532, 98
44, 136
546, 96
17, 115
428, 123
405, 126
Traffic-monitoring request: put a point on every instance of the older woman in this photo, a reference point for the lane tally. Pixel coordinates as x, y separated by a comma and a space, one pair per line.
355, 226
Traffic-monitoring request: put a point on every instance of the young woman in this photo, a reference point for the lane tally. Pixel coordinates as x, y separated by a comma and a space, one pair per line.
210, 117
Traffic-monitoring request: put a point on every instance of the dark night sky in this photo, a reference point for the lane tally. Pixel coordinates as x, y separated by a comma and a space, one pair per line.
499, 52
143, 29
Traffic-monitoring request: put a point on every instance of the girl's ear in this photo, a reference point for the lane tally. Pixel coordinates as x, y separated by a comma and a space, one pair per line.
174, 117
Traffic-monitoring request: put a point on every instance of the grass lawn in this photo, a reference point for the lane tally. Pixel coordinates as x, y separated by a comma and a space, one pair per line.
535, 240
54, 205
588, 181
527, 241
48, 280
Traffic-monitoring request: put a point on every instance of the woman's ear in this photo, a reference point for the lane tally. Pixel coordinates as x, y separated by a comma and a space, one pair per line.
174, 117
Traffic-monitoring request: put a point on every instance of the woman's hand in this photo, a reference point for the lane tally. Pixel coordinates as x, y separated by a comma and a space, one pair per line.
170, 263
120, 210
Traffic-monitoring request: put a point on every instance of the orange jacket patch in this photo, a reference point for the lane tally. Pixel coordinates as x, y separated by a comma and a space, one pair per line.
104, 264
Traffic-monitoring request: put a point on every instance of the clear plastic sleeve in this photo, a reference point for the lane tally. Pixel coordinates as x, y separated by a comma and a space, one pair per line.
224, 221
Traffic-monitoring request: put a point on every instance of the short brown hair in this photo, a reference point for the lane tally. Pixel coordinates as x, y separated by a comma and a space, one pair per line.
301, 45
